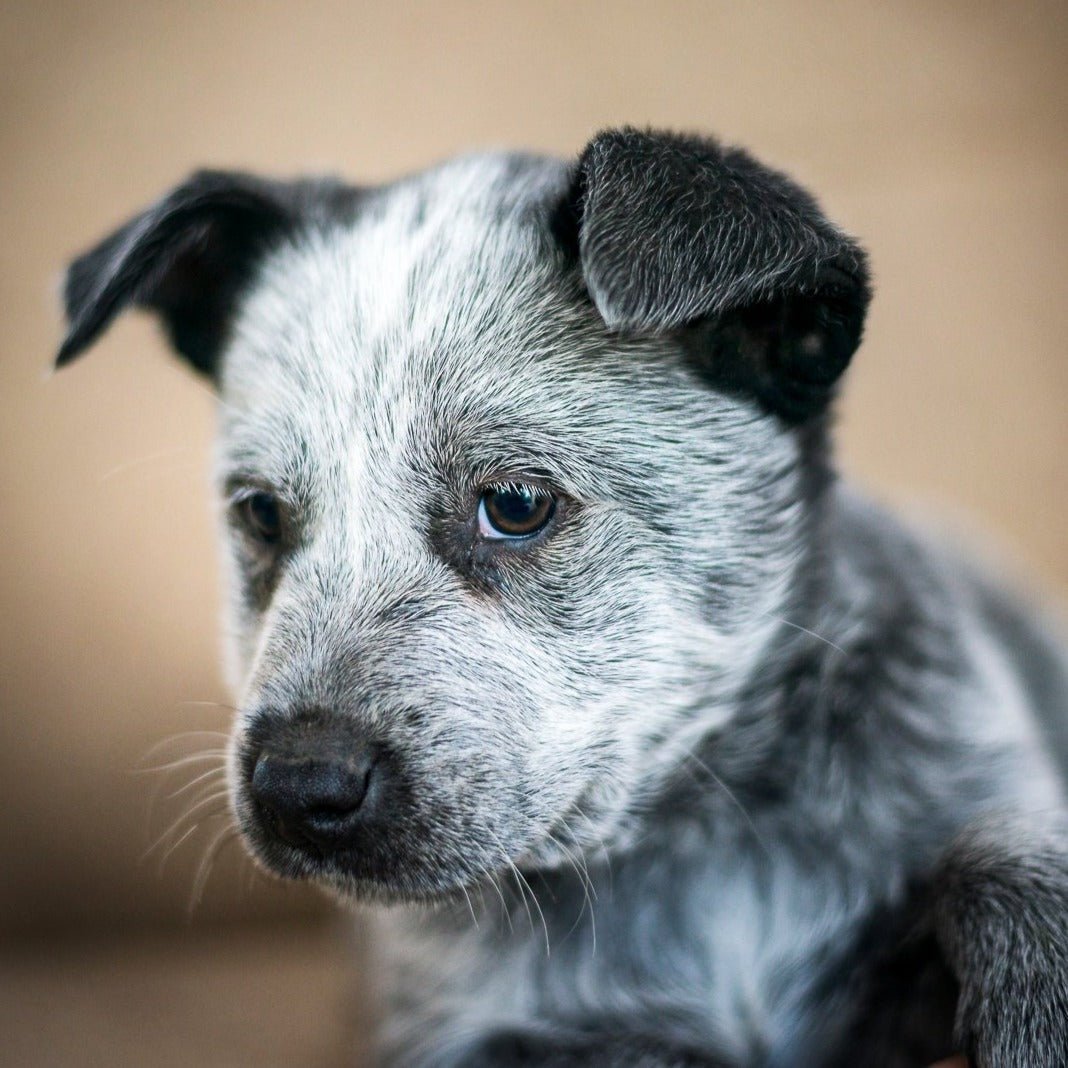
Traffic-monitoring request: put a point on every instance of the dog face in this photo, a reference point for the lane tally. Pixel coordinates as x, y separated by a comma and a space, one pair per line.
516, 464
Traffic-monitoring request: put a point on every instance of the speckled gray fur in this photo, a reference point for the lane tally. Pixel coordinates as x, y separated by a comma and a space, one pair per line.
730, 768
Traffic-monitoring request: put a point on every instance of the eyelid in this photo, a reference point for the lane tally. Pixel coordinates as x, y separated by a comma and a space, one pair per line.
240, 494
240, 488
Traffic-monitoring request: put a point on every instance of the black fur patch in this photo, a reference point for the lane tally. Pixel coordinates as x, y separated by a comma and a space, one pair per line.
188, 258
676, 231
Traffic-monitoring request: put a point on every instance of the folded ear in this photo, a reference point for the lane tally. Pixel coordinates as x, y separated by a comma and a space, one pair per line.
188, 258
678, 232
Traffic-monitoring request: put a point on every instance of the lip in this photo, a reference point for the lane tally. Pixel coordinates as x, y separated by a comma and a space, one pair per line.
346, 873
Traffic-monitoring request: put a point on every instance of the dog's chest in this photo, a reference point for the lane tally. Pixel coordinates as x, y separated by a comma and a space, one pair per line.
722, 946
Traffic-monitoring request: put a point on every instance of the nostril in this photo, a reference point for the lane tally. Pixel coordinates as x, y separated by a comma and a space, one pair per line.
312, 800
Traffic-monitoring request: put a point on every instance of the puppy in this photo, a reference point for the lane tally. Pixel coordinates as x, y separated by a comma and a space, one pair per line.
554, 631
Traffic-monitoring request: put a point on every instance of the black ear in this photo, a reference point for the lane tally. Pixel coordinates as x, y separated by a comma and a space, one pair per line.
676, 232
188, 257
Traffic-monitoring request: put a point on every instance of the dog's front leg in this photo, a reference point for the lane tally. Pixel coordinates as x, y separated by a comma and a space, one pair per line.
1001, 917
606, 1046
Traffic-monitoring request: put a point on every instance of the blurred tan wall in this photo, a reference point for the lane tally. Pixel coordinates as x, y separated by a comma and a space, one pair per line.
935, 131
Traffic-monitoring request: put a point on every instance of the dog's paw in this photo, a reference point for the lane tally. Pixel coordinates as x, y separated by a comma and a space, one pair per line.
1002, 918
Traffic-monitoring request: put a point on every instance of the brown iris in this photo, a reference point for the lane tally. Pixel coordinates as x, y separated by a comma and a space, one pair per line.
514, 511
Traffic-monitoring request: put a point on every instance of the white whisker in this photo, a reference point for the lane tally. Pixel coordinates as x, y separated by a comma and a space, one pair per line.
200, 881
213, 798
733, 798
805, 630
181, 762
219, 771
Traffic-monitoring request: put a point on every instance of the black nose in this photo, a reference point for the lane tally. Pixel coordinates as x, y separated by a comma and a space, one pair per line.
313, 799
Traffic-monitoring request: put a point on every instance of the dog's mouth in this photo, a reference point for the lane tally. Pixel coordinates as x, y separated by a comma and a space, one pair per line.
403, 860
366, 859
317, 799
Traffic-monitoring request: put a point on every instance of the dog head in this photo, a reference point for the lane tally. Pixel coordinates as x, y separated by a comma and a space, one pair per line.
517, 462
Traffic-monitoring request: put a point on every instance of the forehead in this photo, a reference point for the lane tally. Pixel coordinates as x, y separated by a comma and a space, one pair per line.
430, 270
444, 313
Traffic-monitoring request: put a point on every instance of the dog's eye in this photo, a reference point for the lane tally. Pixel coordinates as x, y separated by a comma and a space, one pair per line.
514, 511
262, 516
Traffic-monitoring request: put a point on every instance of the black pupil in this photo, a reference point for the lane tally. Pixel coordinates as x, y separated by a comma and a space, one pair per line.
517, 510
263, 516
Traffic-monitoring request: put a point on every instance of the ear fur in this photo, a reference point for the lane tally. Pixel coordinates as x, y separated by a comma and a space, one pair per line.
187, 258
676, 232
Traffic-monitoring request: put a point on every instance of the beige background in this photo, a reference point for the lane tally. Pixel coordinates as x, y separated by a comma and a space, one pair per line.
937, 132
